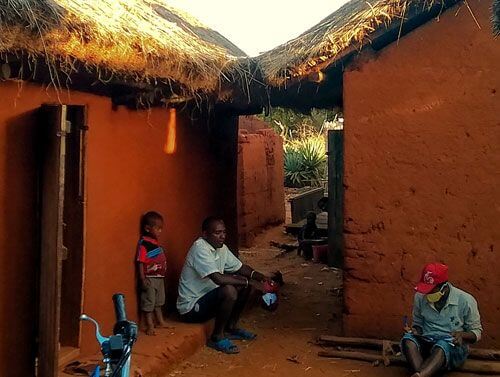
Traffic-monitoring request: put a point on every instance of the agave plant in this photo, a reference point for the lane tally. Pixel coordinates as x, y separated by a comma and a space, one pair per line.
294, 170
305, 161
304, 143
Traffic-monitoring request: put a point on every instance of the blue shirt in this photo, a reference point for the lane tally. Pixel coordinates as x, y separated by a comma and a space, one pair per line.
460, 313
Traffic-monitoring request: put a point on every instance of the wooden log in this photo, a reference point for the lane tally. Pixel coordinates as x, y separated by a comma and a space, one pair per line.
351, 342
475, 353
481, 367
362, 356
470, 366
484, 354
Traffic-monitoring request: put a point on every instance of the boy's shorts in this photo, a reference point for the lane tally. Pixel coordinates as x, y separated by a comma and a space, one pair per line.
154, 295
455, 355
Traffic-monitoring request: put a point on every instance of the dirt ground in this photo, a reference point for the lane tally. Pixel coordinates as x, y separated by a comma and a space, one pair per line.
310, 305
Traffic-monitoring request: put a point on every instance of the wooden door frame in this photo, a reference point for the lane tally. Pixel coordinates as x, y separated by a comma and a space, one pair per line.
336, 198
81, 126
83, 197
51, 237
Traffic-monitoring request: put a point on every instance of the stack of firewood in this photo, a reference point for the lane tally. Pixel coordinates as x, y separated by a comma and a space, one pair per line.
377, 351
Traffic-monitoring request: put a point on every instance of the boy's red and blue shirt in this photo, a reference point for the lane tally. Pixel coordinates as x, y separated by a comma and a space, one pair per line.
152, 257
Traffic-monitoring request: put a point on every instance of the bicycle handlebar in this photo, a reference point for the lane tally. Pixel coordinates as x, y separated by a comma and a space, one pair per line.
101, 339
119, 304
117, 348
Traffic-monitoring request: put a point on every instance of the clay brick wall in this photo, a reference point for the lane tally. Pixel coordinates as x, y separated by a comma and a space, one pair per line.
251, 124
127, 174
422, 171
260, 191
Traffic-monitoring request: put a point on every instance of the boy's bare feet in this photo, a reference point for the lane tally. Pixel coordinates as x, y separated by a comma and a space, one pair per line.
159, 319
150, 327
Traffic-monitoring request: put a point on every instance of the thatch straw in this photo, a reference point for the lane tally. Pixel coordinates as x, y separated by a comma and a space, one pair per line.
141, 40
496, 17
351, 24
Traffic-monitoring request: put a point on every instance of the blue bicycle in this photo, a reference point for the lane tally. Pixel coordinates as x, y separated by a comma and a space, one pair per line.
117, 348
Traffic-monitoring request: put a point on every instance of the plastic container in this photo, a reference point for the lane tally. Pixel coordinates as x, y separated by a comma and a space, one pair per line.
320, 253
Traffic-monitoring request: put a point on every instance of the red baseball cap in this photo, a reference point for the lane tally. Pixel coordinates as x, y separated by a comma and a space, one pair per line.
433, 274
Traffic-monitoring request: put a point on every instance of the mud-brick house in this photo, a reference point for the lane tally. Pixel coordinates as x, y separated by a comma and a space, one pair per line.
103, 116
260, 189
419, 85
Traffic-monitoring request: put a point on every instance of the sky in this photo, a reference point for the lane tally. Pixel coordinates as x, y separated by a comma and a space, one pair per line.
256, 26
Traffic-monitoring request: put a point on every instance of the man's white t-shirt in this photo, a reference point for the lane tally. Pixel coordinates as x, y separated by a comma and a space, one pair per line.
203, 260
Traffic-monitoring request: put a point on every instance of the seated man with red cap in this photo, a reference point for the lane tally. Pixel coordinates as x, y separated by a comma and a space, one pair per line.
445, 321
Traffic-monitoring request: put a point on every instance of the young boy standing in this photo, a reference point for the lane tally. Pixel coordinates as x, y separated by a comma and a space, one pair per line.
152, 266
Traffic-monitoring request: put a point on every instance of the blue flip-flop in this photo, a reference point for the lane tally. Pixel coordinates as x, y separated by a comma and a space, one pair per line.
241, 334
223, 345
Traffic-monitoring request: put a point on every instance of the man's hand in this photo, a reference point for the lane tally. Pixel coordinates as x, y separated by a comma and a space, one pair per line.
458, 338
266, 278
461, 337
259, 276
252, 274
257, 285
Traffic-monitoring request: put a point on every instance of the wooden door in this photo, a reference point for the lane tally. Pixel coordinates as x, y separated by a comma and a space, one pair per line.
73, 232
53, 139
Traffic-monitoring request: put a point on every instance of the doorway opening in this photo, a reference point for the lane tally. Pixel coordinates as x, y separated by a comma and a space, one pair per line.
311, 171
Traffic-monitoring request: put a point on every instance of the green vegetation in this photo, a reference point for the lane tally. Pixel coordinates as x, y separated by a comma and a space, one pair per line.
304, 139
305, 161
291, 124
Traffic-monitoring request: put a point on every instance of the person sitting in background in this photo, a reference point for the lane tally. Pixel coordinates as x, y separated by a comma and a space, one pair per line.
445, 321
308, 232
323, 204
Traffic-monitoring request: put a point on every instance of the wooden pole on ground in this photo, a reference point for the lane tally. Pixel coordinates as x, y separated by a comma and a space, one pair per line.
350, 342
340, 341
470, 366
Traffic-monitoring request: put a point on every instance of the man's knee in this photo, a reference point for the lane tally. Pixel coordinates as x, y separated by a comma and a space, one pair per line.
441, 347
229, 292
408, 344
438, 351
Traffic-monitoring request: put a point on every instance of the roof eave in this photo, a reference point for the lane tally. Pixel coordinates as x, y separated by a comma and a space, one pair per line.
329, 92
415, 17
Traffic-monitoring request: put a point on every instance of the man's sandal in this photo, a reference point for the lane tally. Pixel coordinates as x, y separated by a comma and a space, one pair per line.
241, 334
223, 345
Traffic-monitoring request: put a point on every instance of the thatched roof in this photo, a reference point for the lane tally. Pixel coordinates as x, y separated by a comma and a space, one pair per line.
496, 17
350, 26
136, 40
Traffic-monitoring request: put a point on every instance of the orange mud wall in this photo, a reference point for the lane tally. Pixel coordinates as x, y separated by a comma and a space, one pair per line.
422, 171
127, 174
260, 186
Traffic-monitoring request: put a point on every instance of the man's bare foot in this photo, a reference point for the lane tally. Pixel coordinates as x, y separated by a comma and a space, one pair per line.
150, 331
